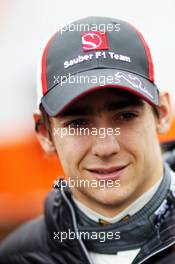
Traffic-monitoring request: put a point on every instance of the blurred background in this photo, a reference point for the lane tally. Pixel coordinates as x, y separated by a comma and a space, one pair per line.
26, 173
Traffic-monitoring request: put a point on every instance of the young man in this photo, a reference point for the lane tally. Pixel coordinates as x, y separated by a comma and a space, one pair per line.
100, 112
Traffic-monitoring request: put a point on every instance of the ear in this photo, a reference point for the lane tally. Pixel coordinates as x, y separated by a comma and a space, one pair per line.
42, 133
165, 116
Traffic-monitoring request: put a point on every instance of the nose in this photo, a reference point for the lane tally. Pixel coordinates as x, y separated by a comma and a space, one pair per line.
105, 147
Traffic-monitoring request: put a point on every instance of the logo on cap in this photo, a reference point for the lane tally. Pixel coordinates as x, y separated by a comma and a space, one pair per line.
94, 41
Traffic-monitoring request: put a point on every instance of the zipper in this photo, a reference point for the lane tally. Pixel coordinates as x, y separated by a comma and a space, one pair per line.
153, 254
75, 227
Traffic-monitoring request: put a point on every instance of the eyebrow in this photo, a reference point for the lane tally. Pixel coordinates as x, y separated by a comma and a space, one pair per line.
109, 107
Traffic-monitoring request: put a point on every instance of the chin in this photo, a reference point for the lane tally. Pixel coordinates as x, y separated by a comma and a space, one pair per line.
110, 197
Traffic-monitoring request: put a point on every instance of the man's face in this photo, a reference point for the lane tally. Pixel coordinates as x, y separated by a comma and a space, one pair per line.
130, 156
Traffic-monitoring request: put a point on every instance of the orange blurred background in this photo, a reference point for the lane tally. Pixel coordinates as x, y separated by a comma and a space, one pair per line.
27, 175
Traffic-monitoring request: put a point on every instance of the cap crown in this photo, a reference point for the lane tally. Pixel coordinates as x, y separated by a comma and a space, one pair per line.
95, 42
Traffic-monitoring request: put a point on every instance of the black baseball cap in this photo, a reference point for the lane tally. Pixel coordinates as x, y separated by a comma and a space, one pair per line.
82, 54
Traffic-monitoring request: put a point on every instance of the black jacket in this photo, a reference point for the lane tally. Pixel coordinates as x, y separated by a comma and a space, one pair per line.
36, 243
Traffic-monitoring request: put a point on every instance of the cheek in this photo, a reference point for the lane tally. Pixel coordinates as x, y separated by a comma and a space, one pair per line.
138, 140
71, 150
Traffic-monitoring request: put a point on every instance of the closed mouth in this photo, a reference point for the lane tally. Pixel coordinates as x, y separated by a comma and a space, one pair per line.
107, 173
107, 170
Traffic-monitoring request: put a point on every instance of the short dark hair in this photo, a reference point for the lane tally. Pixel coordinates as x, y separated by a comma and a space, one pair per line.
45, 121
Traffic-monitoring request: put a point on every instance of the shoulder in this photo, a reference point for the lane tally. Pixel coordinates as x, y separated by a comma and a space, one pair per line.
30, 237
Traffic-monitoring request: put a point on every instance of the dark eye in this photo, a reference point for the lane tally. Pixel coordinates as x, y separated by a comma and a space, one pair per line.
76, 123
127, 116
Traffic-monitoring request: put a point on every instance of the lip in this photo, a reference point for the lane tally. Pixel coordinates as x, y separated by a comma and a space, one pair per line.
112, 173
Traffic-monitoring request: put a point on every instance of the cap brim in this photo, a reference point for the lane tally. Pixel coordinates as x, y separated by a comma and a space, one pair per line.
71, 89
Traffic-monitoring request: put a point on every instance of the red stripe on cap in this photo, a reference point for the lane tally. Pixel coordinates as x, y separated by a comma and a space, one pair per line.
148, 54
43, 71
